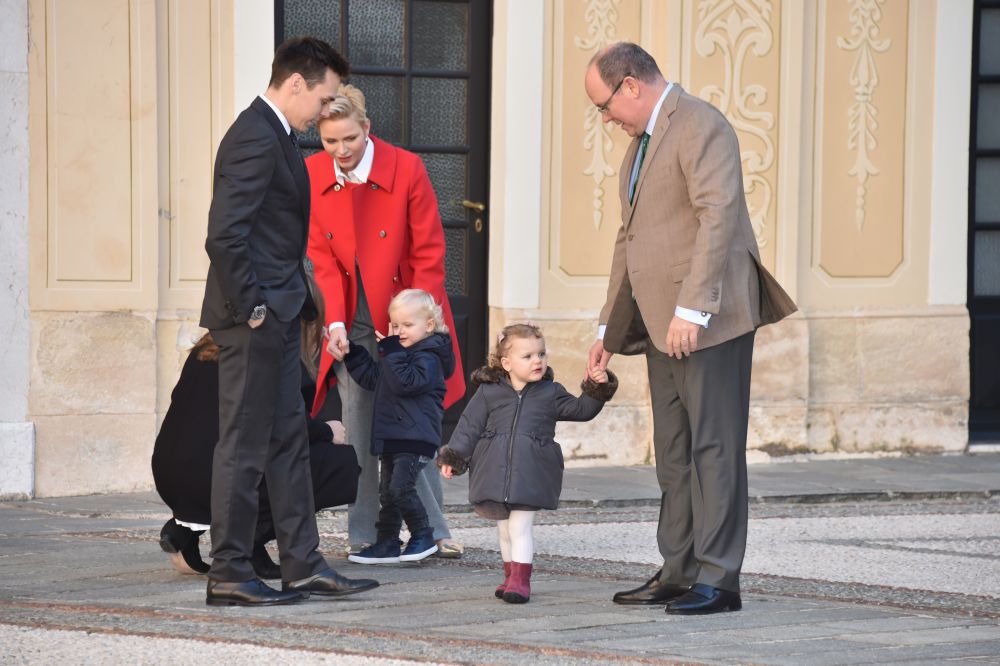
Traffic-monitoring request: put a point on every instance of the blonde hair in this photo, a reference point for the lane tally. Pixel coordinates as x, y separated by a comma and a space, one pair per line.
349, 103
422, 302
505, 340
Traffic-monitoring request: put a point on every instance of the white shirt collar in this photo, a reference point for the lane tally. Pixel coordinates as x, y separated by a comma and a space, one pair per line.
656, 110
363, 170
277, 112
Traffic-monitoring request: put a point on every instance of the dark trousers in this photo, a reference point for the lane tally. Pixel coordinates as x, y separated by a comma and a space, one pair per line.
262, 430
700, 407
397, 493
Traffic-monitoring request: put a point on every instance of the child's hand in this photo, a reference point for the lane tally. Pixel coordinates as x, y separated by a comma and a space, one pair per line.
379, 337
446, 471
598, 375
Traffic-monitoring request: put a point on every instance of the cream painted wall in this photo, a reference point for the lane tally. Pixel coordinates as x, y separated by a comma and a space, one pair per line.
516, 183
17, 432
253, 27
947, 274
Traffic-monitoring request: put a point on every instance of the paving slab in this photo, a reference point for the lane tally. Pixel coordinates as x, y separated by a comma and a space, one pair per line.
873, 560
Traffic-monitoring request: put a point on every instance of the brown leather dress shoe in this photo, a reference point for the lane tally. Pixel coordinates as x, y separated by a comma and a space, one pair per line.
329, 583
650, 593
703, 599
252, 592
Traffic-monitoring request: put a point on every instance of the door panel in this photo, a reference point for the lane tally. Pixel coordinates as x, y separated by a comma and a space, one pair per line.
984, 225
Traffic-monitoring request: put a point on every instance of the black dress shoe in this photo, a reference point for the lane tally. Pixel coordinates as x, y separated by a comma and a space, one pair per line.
329, 583
703, 599
262, 563
650, 593
182, 545
252, 592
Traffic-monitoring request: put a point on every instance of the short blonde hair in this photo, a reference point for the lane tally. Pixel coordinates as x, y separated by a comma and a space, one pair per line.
349, 103
422, 302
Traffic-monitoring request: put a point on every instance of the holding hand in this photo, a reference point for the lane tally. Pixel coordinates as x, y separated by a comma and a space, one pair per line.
446, 471
598, 374
338, 345
598, 359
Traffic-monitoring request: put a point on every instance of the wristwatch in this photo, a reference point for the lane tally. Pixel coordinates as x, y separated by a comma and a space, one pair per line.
259, 312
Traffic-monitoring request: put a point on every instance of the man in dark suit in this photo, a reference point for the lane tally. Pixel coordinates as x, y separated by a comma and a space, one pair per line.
688, 290
254, 296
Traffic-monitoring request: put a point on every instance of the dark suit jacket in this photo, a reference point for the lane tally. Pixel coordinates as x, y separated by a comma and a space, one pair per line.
257, 224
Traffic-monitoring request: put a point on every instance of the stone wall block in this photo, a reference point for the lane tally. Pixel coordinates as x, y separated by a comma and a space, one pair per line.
910, 358
97, 453
620, 435
778, 429
781, 362
834, 373
914, 427
92, 363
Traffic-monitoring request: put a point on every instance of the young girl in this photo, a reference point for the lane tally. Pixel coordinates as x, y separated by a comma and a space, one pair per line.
505, 438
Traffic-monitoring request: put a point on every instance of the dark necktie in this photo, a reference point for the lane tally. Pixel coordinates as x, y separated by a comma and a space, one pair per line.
634, 180
294, 140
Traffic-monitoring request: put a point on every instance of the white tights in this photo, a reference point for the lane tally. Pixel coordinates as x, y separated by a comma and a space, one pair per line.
516, 541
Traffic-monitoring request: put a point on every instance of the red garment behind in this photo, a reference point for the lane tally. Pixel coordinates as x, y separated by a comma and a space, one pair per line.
391, 224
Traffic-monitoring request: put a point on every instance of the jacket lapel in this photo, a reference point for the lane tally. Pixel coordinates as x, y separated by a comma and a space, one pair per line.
292, 156
659, 131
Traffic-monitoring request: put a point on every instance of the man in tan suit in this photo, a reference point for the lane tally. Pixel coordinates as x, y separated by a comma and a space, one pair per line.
687, 289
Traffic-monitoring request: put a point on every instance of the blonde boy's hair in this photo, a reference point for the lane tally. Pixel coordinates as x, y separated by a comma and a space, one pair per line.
422, 302
349, 102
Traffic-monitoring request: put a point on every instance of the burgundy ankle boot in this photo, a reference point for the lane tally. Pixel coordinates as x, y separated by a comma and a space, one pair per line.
502, 587
519, 586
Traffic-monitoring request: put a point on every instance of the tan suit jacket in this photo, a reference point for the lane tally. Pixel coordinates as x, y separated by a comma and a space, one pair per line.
687, 240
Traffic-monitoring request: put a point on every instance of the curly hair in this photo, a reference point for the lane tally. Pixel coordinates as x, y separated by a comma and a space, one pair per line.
505, 339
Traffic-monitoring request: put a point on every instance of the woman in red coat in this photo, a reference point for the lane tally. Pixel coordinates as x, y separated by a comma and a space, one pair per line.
374, 231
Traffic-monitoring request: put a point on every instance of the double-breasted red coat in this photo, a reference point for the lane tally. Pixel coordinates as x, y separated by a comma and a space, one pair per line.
392, 225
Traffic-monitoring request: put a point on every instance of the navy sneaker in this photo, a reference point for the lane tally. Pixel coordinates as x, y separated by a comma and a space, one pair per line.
383, 552
418, 548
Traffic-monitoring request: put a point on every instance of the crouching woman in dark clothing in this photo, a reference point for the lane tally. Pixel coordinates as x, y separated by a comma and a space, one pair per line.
505, 438
182, 463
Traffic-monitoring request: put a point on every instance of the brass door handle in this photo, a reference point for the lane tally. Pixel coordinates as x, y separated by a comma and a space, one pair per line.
478, 207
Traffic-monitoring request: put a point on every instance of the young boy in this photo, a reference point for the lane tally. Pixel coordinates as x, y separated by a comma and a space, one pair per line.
408, 381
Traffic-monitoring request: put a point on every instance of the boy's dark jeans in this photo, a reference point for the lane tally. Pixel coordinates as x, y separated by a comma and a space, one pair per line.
398, 496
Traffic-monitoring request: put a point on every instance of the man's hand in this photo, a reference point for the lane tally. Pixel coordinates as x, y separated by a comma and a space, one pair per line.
446, 471
598, 358
254, 323
682, 337
338, 346
339, 432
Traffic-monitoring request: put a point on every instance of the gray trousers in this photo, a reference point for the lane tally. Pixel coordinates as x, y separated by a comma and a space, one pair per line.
358, 409
701, 404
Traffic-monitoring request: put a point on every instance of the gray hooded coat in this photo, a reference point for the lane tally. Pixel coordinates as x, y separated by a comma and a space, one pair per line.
506, 438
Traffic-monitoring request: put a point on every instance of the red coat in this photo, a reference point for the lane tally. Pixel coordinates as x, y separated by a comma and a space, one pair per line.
391, 223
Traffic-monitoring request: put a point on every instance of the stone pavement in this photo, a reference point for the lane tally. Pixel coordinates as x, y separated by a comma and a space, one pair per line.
872, 560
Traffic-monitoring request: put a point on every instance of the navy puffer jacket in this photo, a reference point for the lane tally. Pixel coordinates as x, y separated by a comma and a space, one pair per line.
409, 391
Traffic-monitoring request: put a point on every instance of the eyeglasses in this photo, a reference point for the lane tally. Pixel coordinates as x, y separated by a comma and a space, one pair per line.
603, 108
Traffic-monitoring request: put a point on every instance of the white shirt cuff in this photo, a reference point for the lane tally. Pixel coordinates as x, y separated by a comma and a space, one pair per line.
336, 324
600, 331
693, 316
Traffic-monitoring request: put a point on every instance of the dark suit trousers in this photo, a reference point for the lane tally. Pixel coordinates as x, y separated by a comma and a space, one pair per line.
701, 404
262, 430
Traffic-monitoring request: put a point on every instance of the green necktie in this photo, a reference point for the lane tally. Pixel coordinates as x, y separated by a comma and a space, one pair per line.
634, 180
